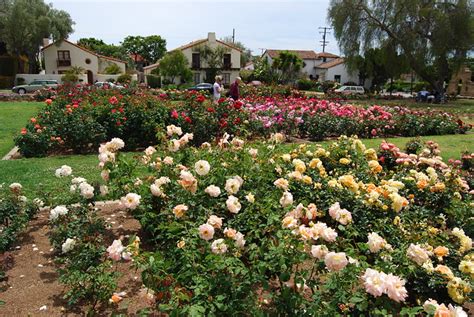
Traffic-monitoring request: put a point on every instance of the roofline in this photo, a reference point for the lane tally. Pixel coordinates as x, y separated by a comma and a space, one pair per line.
86, 50
339, 62
200, 41
287, 50
151, 65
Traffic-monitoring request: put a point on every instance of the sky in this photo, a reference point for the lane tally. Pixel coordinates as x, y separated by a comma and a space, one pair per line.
259, 24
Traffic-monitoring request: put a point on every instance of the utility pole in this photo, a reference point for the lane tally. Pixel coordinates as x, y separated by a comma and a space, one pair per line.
324, 32
233, 36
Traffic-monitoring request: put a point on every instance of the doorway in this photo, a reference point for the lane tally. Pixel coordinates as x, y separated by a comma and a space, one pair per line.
90, 77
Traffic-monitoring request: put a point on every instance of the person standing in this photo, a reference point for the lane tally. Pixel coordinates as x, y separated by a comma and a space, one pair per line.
234, 89
217, 89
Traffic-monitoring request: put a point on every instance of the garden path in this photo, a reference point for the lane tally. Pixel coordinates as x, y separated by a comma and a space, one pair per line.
32, 286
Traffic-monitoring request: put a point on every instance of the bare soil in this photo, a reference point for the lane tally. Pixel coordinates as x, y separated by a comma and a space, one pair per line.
32, 280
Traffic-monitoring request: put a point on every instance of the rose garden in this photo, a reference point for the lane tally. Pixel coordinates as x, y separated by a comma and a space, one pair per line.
274, 204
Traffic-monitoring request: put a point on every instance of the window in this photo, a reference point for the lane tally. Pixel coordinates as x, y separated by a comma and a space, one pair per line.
88, 61
337, 78
196, 63
226, 78
227, 63
64, 58
197, 78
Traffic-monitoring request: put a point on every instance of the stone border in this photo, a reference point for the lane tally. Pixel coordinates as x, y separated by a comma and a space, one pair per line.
14, 153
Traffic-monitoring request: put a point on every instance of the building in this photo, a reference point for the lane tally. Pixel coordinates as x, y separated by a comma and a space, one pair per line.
61, 55
462, 83
320, 66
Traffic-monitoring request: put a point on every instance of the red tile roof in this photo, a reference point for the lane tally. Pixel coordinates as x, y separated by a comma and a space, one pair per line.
86, 50
303, 54
327, 55
197, 42
332, 63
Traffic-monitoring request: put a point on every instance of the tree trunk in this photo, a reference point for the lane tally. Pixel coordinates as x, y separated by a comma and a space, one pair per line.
32, 69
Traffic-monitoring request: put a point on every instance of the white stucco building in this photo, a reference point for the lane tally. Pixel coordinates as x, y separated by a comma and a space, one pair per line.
198, 65
62, 55
320, 66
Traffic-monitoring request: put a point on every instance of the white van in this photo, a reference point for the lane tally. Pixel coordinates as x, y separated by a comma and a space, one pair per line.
350, 90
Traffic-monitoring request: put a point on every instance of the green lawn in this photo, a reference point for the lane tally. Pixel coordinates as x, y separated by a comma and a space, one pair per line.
14, 116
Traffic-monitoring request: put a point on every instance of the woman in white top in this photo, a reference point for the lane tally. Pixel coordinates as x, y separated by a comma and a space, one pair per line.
217, 88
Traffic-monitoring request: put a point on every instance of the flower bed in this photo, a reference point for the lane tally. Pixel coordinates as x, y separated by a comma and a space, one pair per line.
260, 229
78, 119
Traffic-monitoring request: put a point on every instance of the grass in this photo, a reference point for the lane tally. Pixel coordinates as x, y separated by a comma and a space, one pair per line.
13, 116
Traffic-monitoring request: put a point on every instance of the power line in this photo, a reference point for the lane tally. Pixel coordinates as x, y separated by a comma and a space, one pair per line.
324, 32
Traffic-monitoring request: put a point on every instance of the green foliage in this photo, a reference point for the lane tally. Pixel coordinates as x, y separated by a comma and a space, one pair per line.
288, 66
100, 47
113, 69
153, 81
84, 270
246, 75
175, 64
72, 75
434, 41
273, 272
307, 84
25, 24
214, 58
15, 212
151, 48
124, 78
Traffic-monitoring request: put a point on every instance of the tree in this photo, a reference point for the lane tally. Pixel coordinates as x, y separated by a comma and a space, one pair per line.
287, 66
175, 64
25, 23
151, 48
246, 53
214, 58
434, 36
100, 47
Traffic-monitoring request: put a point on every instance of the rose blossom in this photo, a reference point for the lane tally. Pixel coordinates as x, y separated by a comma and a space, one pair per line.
180, 210
212, 190
218, 246
68, 245
233, 204
206, 232
115, 250
335, 261
63, 171
131, 200
319, 251
57, 211
202, 167
286, 199
215, 221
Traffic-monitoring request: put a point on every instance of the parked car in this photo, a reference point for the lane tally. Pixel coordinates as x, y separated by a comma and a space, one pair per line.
203, 86
35, 85
402, 94
346, 90
107, 85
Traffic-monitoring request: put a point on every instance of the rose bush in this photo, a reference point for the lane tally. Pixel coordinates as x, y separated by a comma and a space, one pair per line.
78, 119
264, 229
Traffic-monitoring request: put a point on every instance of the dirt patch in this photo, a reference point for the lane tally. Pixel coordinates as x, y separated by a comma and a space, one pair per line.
32, 281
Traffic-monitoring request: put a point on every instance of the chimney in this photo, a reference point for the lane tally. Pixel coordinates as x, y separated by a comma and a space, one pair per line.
45, 42
211, 37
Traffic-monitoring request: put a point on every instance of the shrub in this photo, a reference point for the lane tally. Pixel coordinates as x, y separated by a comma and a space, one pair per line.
113, 69
124, 78
297, 230
153, 81
305, 84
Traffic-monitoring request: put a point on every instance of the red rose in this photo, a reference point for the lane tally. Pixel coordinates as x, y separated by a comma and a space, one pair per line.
113, 100
237, 104
23, 131
200, 98
33, 120
75, 106
114, 110
174, 114
188, 119
237, 121
210, 109
48, 101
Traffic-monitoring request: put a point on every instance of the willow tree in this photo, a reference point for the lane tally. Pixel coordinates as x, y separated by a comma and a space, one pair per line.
434, 36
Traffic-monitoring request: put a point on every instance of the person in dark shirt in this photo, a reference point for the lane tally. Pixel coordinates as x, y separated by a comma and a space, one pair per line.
234, 89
